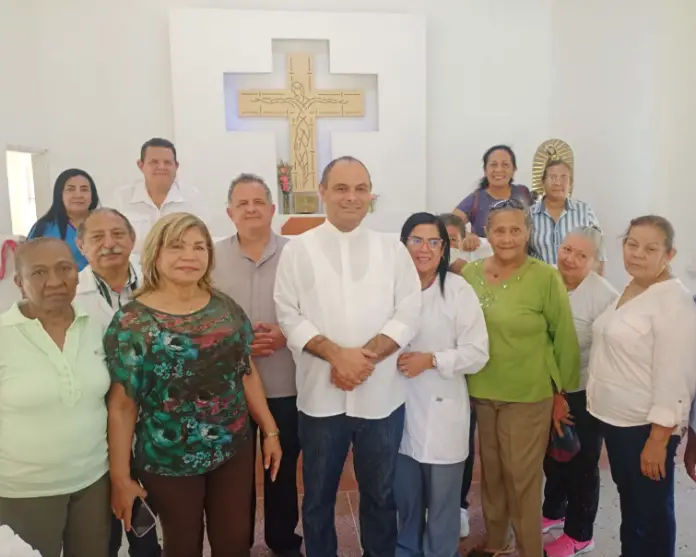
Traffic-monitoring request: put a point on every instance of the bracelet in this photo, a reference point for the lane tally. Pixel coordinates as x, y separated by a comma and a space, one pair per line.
275, 433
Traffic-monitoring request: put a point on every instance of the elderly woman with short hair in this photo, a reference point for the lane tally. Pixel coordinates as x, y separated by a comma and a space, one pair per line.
571, 493
184, 386
54, 487
555, 214
534, 356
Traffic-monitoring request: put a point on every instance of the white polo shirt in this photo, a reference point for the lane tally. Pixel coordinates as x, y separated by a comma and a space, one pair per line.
135, 203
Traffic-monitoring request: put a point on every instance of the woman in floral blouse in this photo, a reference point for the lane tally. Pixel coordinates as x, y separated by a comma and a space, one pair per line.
183, 385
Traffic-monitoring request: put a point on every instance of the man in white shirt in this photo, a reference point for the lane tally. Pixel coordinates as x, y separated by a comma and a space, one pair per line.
348, 300
106, 239
158, 194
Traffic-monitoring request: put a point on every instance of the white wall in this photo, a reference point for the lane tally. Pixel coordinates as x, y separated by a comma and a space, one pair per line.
90, 80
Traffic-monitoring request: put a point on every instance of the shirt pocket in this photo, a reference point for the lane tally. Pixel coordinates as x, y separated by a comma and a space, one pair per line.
632, 328
446, 430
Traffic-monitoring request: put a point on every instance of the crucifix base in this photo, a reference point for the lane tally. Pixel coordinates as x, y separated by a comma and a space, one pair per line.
305, 203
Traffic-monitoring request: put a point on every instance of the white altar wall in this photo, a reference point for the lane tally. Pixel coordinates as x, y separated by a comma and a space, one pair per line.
391, 47
90, 80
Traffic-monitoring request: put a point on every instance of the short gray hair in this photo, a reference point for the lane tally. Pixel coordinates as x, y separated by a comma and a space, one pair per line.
247, 178
593, 234
80, 233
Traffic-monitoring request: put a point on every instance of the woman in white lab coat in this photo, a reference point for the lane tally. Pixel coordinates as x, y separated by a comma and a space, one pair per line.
452, 342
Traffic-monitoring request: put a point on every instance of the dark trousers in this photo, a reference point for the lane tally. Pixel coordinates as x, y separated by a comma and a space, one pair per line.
648, 527
325, 444
469, 463
147, 546
221, 496
572, 488
280, 499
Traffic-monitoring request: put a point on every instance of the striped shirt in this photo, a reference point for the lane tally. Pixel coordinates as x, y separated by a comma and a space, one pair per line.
548, 235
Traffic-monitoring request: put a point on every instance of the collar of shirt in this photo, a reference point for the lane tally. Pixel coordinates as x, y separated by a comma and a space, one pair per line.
13, 317
329, 228
106, 291
140, 194
539, 207
268, 252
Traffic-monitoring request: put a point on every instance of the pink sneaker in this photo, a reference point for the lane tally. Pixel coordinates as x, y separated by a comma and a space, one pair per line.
565, 546
548, 524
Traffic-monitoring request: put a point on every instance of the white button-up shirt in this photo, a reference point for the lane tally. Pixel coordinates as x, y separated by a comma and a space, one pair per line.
588, 301
135, 203
643, 359
436, 430
348, 287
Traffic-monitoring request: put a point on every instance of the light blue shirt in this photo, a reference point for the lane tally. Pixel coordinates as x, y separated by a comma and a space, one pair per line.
51, 230
548, 235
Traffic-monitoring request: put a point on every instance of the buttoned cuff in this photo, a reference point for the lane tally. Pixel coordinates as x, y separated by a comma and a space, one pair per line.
398, 332
664, 417
301, 335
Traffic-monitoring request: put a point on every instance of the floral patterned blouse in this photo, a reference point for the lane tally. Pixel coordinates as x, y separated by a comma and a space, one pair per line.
185, 373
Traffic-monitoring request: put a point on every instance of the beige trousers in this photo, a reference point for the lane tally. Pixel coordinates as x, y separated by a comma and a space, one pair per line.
513, 437
79, 524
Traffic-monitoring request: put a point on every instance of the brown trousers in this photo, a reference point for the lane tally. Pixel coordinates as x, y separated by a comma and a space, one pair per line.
513, 437
222, 495
80, 522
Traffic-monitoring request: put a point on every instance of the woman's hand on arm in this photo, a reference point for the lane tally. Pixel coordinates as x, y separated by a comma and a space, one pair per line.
258, 408
123, 413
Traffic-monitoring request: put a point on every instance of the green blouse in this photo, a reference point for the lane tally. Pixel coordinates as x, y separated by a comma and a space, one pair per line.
532, 339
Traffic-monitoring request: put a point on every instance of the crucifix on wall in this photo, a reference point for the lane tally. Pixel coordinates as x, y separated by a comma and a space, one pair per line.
301, 104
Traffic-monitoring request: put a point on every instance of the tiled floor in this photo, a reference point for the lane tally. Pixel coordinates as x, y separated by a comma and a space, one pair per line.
606, 530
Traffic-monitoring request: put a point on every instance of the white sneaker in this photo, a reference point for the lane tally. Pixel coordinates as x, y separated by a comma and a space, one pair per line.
463, 523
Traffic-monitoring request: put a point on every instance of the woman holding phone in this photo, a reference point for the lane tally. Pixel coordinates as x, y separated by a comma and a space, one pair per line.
183, 385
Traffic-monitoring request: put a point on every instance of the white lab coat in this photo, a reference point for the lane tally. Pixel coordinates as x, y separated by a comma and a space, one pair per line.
436, 430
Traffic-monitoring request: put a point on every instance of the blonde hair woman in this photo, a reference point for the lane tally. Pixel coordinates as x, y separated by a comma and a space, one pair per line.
183, 385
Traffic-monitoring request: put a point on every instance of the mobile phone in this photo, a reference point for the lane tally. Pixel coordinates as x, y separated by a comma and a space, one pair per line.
143, 519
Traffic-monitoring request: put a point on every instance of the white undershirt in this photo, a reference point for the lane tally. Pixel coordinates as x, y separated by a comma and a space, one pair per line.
436, 430
348, 287
643, 359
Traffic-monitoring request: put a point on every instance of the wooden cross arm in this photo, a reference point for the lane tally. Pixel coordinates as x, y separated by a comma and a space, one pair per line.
338, 103
264, 103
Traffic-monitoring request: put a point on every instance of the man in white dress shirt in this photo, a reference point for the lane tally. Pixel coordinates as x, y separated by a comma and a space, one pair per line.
348, 300
106, 239
158, 193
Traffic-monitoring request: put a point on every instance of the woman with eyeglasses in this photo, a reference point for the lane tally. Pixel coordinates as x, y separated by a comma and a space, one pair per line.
499, 166
571, 492
534, 354
642, 377
555, 214
451, 344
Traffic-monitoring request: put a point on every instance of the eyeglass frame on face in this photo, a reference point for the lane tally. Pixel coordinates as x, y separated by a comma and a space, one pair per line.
431, 243
562, 179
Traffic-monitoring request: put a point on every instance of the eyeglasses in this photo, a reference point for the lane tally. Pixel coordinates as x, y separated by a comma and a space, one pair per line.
511, 203
416, 242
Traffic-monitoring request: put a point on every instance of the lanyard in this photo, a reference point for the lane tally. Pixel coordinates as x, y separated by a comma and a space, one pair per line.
105, 289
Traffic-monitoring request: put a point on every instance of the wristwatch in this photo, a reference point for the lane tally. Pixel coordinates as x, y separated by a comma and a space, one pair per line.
434, 362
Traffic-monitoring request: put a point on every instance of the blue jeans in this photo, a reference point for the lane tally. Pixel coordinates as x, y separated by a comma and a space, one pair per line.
325, 443
648, 527
435, 488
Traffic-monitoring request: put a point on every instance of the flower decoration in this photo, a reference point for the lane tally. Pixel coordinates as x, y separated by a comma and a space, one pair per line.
284, 177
